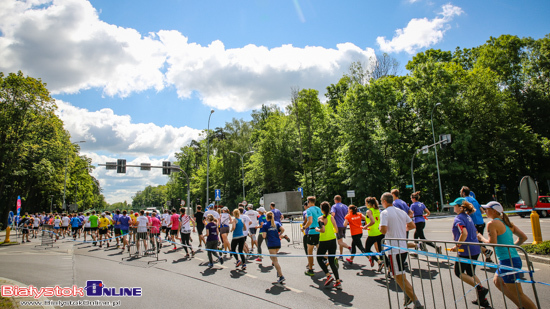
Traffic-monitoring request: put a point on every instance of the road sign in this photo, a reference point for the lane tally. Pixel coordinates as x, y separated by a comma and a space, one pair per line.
110, 165
425, 149
182, 203
145, 166
409, 186
528, 191
301, 191
351, 193
218, 195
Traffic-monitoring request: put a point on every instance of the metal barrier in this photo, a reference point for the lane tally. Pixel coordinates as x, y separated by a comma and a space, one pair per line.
435, 285
146, 245
296, 232
47, 237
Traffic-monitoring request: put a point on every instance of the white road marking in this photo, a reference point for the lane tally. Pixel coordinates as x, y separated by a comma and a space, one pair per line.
251, 276
293, 289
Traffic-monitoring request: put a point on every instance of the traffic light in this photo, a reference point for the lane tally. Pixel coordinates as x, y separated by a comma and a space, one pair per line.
166, 171
121, 166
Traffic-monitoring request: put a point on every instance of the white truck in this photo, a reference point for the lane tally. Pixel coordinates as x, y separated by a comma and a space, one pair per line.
289, 202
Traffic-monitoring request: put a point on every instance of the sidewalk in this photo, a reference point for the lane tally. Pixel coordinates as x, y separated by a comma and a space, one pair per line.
17, 300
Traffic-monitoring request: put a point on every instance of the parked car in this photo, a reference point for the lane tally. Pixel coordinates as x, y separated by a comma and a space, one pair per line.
542, 202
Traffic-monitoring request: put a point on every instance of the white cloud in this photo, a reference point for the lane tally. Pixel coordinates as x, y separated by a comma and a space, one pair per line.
119, 138
420, 33
70, 48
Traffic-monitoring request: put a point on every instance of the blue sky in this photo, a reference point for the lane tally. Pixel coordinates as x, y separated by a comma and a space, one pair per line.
137, 79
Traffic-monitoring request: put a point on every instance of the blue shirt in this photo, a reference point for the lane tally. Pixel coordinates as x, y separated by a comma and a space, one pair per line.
314, 212
75, 222
418, 211
238, 232
476, 216
398, 203
276, 215
261, 220
461, 221
115, 219
124, 222
272, 234
304, 214
340, 212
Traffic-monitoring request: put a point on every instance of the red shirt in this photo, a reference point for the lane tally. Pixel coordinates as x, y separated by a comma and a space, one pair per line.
354, 223
175, 219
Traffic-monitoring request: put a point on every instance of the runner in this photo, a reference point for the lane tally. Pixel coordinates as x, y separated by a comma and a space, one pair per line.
25, 224
464, 230
93, 226
75, 223
374, 235
339, 212
133, 226
394, 223
174, 227
327, 245
313, 213
117, 227
199, 220
103, 229
224, 222
212, 232
185, 231
35, 225
261, 221
165, 223
238, 239
56, 226
86, 225
141, 230
354, 219
124, 221
247, 224
65, 224
155, 232
418, 208
477, 217
253, 216
272, 232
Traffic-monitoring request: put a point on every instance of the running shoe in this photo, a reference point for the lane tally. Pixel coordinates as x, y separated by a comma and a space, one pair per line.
341, 258
488, 254
210, 265
192, 253
220, 260
408, 300
349, 260
239, 263
371, 262
287, 239
484, 303
258, 260
482, 293
338, 285
328, 279
380, 266
107, 245
175, 248
243, 267
310, 273
438, 249
281, 280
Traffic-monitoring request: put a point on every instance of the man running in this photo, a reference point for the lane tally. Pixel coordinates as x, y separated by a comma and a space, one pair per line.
313, 214
199, 220
253, 215
124, 222
94, 220
75, 223
174, 227
142, 223
339, 211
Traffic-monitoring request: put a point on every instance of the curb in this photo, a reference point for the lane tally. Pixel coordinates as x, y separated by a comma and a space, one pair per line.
537, 258
17, 300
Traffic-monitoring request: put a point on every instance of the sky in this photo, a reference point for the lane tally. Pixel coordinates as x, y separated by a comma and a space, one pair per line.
137, 79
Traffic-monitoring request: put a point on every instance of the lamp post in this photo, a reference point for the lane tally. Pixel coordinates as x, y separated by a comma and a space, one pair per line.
412, 170
65, 184
436, 161
242, 164
208, 158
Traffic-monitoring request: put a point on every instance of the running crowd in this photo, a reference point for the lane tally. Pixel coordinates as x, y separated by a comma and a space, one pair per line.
324, 229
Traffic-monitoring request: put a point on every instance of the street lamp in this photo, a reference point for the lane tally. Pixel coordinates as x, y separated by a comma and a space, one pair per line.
242, 164
436, 161
65, 184
208, 158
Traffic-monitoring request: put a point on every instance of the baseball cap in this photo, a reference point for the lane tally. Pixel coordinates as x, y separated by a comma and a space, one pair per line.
261, 209
494, 205
458, 201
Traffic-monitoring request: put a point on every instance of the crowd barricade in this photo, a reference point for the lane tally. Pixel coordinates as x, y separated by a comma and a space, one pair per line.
47, 236
435, 284
144, 244
296, 232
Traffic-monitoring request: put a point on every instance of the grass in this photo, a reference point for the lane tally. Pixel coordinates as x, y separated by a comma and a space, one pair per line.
542, 248
6, 303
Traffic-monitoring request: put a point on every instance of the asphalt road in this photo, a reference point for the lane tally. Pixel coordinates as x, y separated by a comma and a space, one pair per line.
185, 283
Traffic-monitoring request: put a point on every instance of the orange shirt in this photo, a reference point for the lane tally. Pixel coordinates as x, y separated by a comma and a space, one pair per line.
354, 223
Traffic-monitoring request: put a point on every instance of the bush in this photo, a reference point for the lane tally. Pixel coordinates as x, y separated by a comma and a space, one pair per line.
542, 248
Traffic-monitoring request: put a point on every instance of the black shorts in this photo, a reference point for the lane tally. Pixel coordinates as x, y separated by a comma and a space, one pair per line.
200, 229
341, 233
142, 235
87, 229
279, 247
103, 231
480, 228
313, 239
397, 263
25, 231
65, 228
224, 230
164, 228
469, 269
35, 227
252, 231
93, 229
75, 229
173, 232
117, 231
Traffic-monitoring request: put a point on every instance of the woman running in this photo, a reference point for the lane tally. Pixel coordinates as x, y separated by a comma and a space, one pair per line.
374, 235
261, 221
238, 239
185, 231
464, 230
418, 208
103, 229
212, 232
270, 231
354, 219
225, 221
502, 231
327, 244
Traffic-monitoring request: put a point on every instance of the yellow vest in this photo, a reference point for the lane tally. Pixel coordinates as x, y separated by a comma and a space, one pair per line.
330, 232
